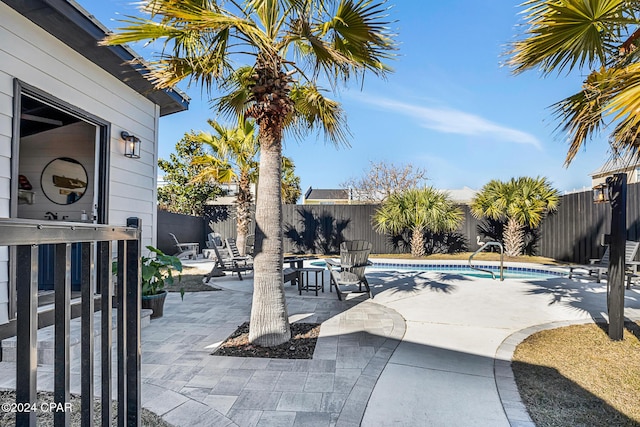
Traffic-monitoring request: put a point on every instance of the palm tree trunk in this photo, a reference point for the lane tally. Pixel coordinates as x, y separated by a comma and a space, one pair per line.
417, 243
269, 325
243, 211
513, 238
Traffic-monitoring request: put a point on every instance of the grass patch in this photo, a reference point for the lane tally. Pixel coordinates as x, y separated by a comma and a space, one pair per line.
464, 256
577, 376
191, 281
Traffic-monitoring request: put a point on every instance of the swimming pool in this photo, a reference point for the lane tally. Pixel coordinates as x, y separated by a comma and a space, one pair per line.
510, 272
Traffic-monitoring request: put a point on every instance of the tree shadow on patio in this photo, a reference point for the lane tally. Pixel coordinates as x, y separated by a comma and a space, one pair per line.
411, 282
586, 297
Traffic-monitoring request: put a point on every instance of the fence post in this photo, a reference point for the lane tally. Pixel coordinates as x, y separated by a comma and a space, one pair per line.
62, 314
104, 284
618, 188
27, 332
134, 350
87, 334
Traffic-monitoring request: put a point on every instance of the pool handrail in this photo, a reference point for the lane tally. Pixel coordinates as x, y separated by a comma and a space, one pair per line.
486, 245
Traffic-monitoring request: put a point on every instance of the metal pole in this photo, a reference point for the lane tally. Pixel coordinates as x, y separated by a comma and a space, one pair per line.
618, 191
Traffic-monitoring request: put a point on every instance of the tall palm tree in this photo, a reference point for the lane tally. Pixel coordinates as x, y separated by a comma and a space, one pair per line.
287, 44
602, 36
417, 210
233, 160
519, 202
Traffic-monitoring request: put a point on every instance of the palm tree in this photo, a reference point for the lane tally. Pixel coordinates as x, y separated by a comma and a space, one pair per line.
233, 159
289, 44
418, 210
290, 182
601, 35
520, 203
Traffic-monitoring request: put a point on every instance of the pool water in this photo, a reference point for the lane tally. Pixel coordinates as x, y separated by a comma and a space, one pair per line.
465, 270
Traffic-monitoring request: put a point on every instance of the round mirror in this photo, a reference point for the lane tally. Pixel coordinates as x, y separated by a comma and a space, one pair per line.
64, 181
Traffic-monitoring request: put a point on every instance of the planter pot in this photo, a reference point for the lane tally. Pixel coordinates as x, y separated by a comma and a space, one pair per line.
155, 303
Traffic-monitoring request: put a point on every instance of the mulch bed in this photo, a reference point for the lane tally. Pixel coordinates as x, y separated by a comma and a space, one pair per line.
301, 346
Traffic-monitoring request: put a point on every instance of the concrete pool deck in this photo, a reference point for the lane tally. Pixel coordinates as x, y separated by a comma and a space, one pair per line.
430, 349
452, 365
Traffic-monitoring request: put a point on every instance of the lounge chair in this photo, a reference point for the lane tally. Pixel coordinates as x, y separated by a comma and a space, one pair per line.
601, 265
232, 265
232, 247
354, 258
214, 239
250, 244
185, 250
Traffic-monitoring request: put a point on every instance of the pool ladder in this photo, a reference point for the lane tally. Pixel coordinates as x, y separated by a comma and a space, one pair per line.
486, 245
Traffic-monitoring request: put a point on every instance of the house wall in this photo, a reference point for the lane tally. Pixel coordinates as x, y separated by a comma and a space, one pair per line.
30, 54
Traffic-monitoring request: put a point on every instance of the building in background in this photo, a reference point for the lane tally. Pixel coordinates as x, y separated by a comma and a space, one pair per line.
628, 164
324, 196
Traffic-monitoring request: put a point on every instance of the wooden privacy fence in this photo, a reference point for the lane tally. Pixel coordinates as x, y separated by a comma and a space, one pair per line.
575, 232
321, 228
572, 234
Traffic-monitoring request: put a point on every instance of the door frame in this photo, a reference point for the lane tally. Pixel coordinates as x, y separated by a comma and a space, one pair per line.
102, 153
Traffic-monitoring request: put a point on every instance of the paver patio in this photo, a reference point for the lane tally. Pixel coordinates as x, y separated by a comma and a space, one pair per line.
429, 349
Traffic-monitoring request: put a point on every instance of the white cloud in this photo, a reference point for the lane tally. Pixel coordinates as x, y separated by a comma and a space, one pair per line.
448, 120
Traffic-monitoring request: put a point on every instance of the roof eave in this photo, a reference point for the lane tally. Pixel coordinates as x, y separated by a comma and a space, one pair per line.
70, 23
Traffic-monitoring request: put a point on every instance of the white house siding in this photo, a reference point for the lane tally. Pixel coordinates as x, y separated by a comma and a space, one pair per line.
30, 54
6, 107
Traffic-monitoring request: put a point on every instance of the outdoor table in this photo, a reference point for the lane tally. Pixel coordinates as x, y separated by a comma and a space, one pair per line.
303, 279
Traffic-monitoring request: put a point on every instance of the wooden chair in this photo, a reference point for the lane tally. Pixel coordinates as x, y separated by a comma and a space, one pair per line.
232, 247
185, 250
601, 265
354, 258
232, 265
214, 239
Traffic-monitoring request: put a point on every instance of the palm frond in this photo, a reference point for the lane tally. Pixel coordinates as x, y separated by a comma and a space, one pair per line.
359, 30
238, 92
312, 110
581, 114
562, 34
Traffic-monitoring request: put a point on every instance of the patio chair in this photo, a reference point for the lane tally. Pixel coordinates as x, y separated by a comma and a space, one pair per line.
601, 265
232, 247
354, 258
185, 250
250, 244
233, 265
214, 239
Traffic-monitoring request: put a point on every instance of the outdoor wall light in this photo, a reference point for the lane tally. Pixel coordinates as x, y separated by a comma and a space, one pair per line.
601, 193
131, 145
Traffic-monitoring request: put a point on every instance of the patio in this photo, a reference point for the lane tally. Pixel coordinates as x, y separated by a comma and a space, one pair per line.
429, 349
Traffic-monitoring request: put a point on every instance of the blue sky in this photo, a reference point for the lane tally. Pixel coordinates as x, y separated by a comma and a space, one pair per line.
450, 107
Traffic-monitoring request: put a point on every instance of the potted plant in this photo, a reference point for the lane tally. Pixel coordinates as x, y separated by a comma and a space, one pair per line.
156, 272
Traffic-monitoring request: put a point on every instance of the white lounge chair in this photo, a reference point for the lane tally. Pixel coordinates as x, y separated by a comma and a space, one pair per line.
185, 250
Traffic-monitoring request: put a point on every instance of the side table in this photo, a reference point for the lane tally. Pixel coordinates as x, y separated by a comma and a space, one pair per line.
303, 279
